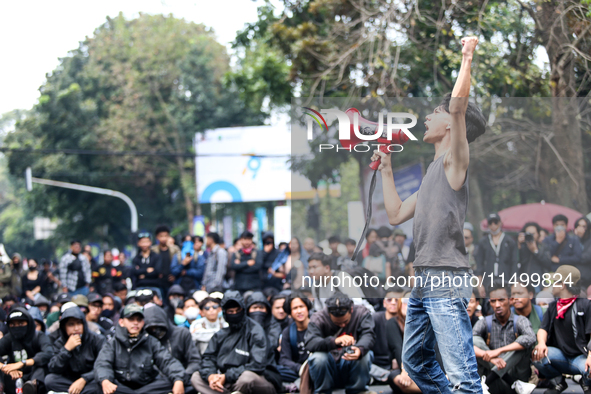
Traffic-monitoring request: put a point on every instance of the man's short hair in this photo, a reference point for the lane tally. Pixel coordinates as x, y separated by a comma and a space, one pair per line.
215, 237
334, 239
323, 258
498, 286
246, 235
475, 120
197, 238
162, 229
296, 294
118, 286
207, 300
384, 232
350, 241
528, 287
72, 242
339, 304
559, 217
531, 224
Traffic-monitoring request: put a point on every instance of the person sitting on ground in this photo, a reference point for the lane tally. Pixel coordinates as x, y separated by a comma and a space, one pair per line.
177, 340
502, 344
339, 339
522, 305
202, 330
278, 312
236, 357
259, 309
126, 363
95, 310
293, 350
28, 352
72, 365
564, 337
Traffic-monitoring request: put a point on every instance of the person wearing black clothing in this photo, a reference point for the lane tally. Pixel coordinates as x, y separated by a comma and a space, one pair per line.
146, 264
177, 340
32, 280
267, 256
496, 252
534, 256
236, 356
293, 348
126, 364
564, 337
277, 302
72, 366
28, 352
564, 248
259, 310
176, 295
340, 338
246, 265
106, 275
583, 231
94, 315
166, 250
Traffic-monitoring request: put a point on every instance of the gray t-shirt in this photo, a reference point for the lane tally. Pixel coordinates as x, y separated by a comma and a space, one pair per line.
439, 221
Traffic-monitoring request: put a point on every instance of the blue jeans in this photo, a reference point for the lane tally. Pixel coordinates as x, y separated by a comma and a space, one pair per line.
83, 290
560, 364
328, 374
437, 313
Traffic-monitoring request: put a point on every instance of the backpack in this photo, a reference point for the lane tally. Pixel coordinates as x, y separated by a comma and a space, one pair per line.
489, 327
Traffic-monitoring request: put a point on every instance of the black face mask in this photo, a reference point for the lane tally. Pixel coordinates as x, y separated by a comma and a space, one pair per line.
235, 319
107, 313
19, 332
32, 268
158, 332
259, 317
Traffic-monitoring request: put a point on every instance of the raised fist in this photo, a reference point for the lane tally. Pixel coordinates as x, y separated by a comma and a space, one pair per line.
469, 45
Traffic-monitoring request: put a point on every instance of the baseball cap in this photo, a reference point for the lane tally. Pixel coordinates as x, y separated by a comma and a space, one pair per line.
132, 309
80, 300
563, 272
492, 217
399, 231
468, 226
94, 297
63, 298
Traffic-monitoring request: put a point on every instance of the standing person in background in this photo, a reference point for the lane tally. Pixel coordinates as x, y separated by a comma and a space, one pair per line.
74, 269
188, 270
370, 238
215, 265
52, 282
106, 274
146, 265
17, 273
245, 265
469, 242
534, 256
5, 279
165, 251
88, 253
583, 231
267, 255
564, 248
497, 252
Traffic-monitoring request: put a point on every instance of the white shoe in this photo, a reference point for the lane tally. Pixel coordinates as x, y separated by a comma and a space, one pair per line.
484, 386
522, 387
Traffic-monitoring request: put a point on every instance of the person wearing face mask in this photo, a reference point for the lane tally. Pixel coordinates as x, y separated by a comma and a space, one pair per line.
202, 330
71, 367
236, 357
583, 231
497, 253
176, 340
110, 307
176, 295
32, 281
191, 310
28, 352
127, 364
246, 265
259, 310
94, 315
564, 248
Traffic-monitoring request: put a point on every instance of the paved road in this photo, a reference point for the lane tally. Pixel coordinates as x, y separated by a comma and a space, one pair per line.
572, 388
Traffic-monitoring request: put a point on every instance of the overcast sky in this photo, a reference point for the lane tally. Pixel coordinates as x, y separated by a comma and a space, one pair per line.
34, 34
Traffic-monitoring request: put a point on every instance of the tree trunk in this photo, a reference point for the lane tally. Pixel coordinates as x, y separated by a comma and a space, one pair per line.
562, 169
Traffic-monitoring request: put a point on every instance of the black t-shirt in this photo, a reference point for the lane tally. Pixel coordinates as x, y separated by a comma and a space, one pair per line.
564, 338
165, 259
380, 349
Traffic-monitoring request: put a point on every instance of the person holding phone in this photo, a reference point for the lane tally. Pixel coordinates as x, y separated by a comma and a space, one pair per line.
534, 256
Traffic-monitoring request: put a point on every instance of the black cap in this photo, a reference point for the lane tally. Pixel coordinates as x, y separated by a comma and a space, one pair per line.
63, 298
492, 217
94, 297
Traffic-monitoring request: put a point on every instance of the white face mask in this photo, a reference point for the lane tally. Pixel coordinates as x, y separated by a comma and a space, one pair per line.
496, 232
192, 313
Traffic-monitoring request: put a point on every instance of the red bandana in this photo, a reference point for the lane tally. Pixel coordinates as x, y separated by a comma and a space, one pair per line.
562, 306
247, 251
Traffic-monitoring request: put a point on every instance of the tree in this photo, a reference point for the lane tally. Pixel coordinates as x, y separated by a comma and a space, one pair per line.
144, 85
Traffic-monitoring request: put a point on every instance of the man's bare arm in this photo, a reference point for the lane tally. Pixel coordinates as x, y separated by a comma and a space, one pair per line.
460, 153
398, 211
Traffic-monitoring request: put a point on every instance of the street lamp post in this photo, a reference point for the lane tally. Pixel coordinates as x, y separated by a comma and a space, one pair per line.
90, 189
